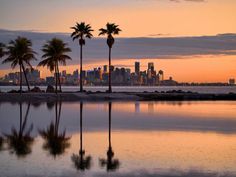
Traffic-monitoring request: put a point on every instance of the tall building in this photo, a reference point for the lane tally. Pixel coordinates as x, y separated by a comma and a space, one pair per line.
231, 81
76, 74
63, 73
105, 68
137, 67
151, 66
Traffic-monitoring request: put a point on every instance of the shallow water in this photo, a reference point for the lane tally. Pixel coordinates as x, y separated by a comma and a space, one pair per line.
146, 139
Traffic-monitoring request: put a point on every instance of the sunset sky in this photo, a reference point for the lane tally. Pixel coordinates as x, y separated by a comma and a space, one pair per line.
167, 19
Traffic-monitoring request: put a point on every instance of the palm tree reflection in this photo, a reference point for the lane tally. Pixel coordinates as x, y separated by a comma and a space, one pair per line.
110, 163
81, 162
1, 143
56, 143
20, 142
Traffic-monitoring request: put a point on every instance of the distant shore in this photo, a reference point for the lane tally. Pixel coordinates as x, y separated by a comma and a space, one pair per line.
116, 96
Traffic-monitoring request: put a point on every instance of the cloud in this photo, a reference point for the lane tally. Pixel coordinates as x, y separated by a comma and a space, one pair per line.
133, 48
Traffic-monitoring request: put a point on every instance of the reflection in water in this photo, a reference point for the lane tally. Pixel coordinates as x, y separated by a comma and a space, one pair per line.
20, 142
81, 162
55, 142
196, 139
110, 163
1, 143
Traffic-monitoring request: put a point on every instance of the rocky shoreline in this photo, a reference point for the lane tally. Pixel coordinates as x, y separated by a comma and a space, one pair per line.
116, 96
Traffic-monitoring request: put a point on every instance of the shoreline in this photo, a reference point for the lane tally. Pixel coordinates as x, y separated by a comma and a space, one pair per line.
115, 96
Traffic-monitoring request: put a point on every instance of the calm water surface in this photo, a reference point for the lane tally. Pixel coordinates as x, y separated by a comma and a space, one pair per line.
118, 139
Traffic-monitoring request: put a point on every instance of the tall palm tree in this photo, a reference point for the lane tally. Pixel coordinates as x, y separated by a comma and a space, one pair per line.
2, 52
81, 31
54, 53
56, 143
110, 163
20, 52
20, 141
111, 29
81, 162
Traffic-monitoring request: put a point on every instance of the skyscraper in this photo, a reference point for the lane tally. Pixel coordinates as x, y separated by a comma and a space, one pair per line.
105, 68
151, 66
137, 68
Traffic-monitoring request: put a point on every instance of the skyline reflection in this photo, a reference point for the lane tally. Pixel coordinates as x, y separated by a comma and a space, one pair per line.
150, 141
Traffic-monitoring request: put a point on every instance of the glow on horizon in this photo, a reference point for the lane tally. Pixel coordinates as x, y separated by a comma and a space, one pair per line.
201, 69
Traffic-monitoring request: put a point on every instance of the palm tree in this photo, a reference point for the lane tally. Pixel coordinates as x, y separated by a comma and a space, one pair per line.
20, 141
20, 52
2, 52
111, 29
81, 31
81, 162
56, 143
110, 163
54, 53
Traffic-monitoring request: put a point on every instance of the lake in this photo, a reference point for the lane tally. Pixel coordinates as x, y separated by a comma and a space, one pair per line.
199, 89
120, 139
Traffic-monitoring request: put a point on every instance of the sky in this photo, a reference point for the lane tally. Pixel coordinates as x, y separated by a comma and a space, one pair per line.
185, 40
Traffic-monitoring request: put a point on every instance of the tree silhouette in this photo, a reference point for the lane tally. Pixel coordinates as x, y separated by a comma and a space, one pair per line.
110, 30
56, 143
19, 142
54, 53
81, 162
81, 31
110, 163
2, 52
20, 52
1, 143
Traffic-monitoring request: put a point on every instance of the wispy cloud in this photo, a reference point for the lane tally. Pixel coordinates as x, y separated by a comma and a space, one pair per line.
138, 48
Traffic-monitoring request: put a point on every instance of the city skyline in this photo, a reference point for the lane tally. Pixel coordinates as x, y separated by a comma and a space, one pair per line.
149, 76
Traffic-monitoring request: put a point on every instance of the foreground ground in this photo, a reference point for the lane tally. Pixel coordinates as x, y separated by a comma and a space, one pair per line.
119, 96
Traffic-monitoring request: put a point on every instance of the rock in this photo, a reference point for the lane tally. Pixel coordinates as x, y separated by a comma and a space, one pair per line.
36, 89
50, 89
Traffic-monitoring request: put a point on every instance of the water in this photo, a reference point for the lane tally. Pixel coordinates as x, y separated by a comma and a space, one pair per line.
200, 89
146, 139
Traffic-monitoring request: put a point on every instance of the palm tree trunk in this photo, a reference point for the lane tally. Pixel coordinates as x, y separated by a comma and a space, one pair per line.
56, 111
81, 69
20, 131
27, 82
55, 76
81, 131
25, 118
109, 135
58, 76
109, 74
59, 115
20, 79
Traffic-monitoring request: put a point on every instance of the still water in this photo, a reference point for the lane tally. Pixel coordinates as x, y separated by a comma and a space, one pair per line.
118, 139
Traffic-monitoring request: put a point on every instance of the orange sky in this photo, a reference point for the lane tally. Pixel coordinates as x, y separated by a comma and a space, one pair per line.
136, 18
201, 69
